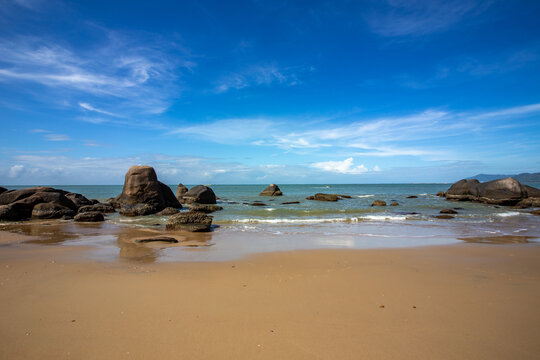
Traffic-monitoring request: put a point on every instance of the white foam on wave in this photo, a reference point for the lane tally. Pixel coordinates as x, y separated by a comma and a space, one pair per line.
385, 217
365, 196
509, 213
270, 209
294, 221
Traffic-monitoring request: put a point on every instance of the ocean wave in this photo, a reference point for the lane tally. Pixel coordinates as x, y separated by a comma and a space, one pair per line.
381, 217
509, 213
364, 196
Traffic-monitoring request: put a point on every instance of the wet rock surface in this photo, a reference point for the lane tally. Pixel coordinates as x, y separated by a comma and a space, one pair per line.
190, 221
271, 190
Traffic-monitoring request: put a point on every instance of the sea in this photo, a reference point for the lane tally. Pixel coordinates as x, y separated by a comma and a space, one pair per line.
241, 228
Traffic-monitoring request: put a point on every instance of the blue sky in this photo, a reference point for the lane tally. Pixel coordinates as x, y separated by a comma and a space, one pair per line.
232, 92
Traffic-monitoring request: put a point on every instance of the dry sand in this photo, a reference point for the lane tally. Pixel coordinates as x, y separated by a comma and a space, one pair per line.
468, 301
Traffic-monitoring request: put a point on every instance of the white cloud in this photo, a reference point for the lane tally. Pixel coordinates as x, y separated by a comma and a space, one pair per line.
15, 171
377, 168
342, 167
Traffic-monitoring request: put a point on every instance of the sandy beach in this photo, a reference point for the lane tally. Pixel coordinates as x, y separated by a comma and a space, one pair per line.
464, 301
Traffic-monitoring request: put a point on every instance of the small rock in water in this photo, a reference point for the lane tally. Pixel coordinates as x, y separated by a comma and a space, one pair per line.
444, 217
290, 202
157, 239
447, 211
394, 204
412, 197
378, 203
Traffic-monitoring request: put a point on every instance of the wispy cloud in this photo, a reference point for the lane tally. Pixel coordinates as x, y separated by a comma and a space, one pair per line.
396, 18
89, 107
259, 75
57, 137
125, 72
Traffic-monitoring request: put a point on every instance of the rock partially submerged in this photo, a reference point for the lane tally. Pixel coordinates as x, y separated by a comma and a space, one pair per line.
143, 194
394, 203
324, 197
191, 221
200, 194
168, 211
448, 211
205, 208
271, 190
181, 189
92, 216
99, 207
498, 192
378, 203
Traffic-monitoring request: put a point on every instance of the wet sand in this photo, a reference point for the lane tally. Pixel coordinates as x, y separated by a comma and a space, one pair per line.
466, 301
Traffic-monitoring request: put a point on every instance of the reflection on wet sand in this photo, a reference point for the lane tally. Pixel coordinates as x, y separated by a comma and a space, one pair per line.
502, 239
132, 244
147, 245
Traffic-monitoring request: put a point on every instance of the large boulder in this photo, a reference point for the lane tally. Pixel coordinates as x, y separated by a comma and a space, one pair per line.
11, 196
3, 189
191, 221
180, 191
200, 194
78, 199
51, 211
14, 212
271, 190
499, 192
143, 194
323, 197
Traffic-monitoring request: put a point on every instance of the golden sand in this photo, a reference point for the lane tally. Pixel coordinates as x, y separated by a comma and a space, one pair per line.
467, 301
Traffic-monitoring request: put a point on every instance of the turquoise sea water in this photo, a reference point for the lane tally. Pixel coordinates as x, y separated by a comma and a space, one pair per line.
348, 223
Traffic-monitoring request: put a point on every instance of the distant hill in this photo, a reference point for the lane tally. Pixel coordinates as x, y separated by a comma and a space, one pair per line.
522, 178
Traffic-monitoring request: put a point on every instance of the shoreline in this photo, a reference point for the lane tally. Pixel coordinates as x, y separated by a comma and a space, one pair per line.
459, 301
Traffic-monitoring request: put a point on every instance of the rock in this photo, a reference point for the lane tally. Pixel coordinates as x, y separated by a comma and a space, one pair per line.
200, 194
94, 201
168, 211
448, 211
394, 204
378, 203
441, 194
180, 191
257, 204
445, 217
92, 216
290, 202
51, 211
323, 197
3, 189
345, 196
11, 196
143, 194
498, 192
78, 199
113, 202
191, 221
532, 192
139, 209
412, 197
463, 190
271, 190
99, 207
529, 202
535, 212
14, 212
205, 208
